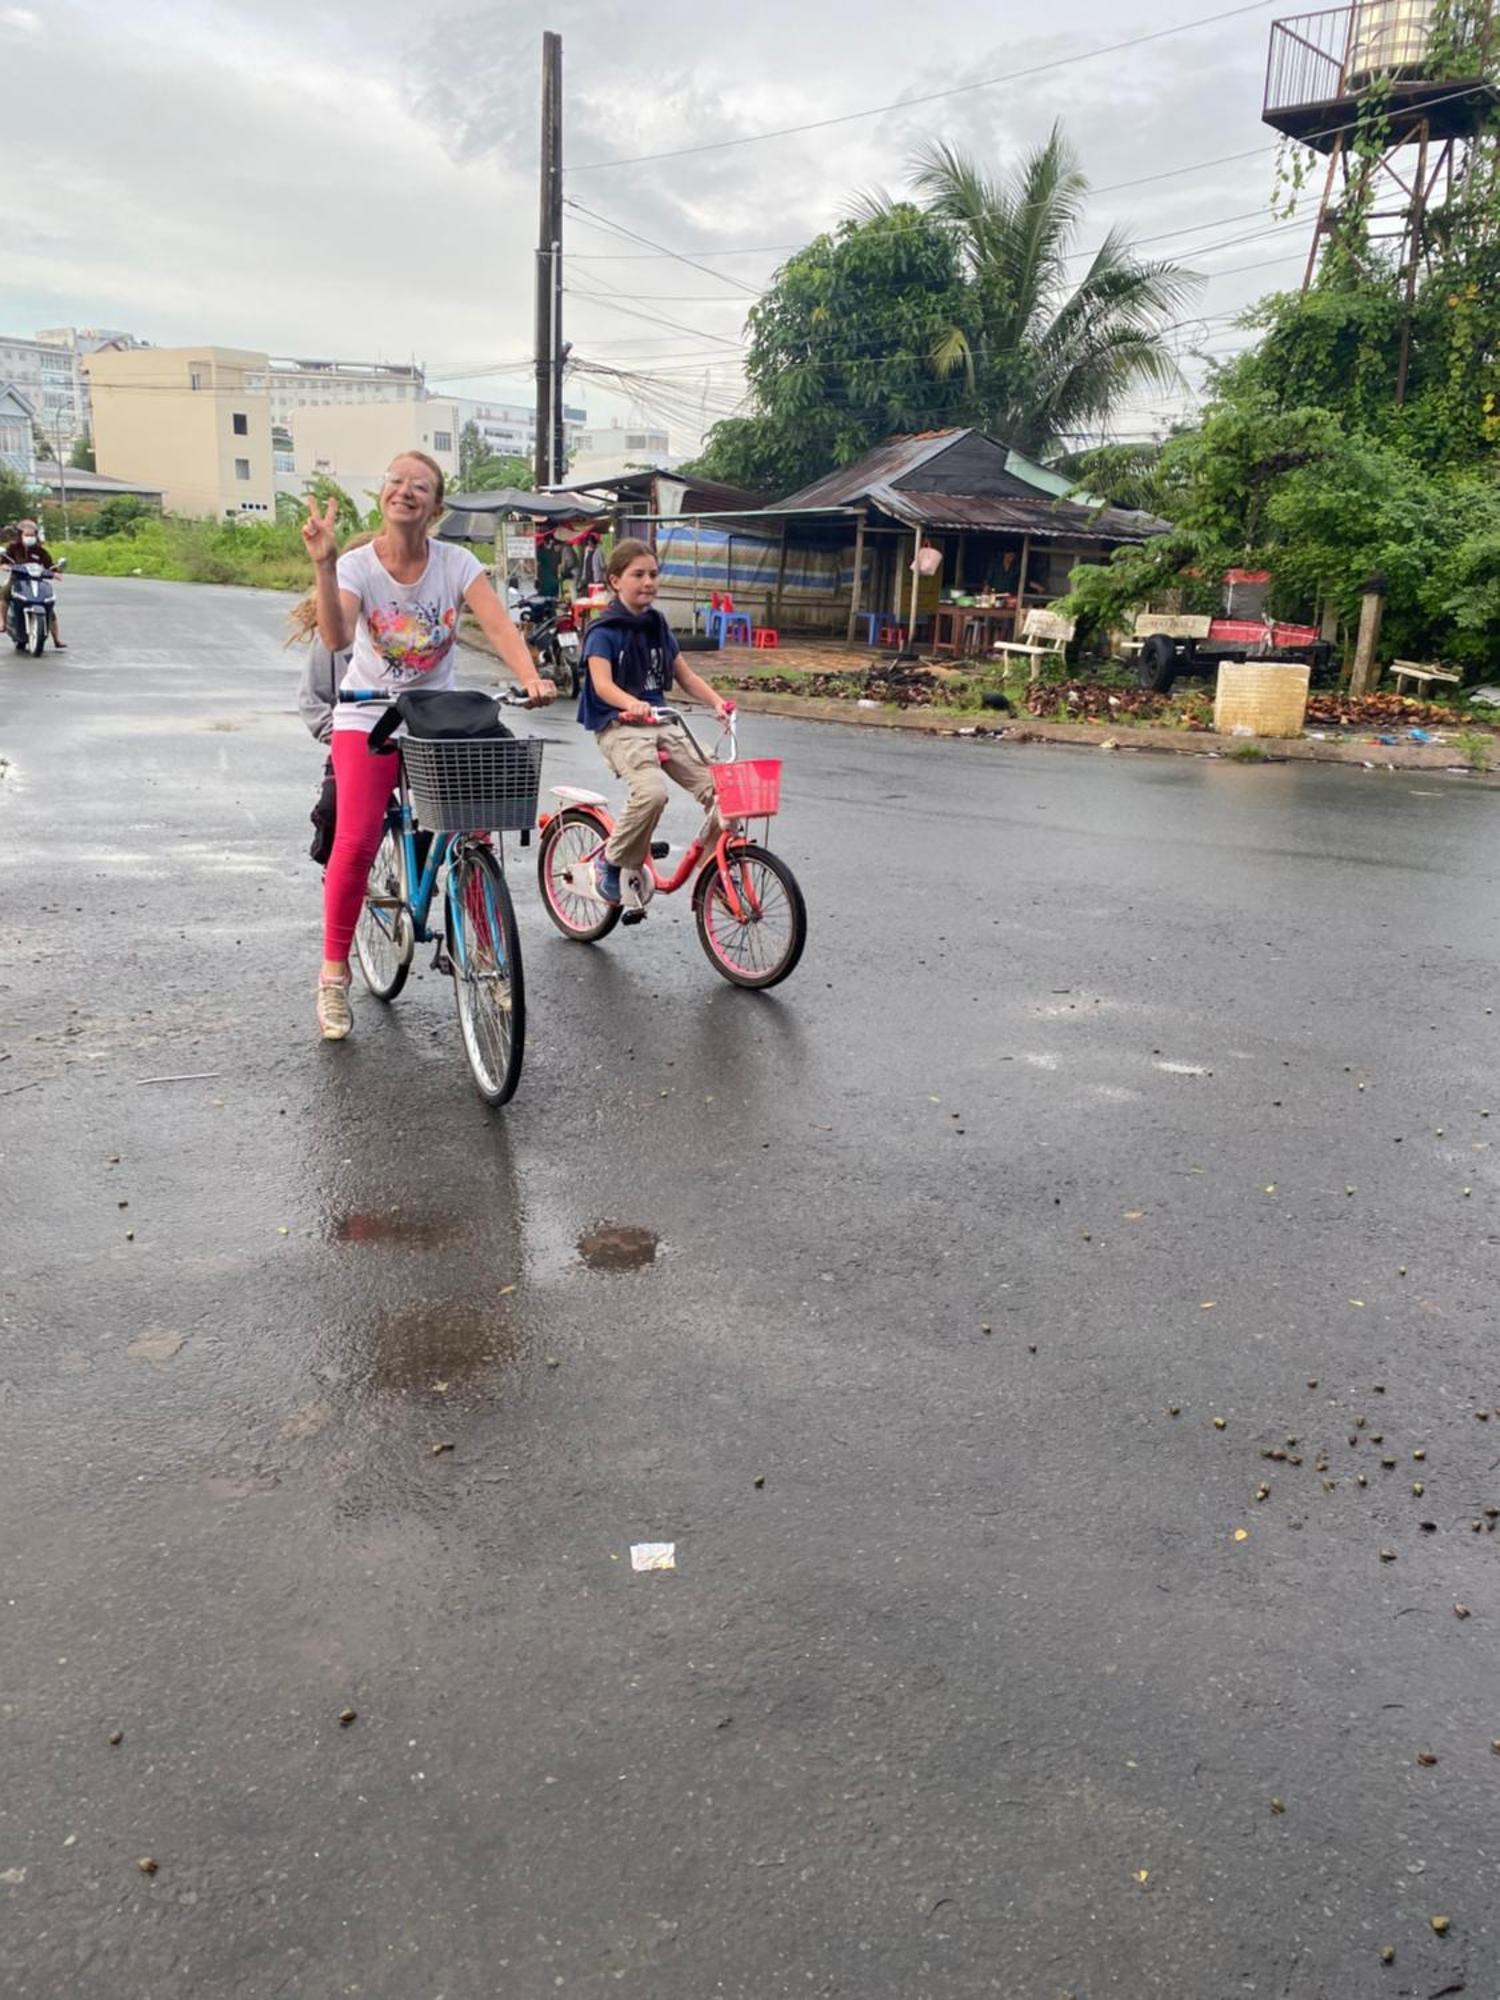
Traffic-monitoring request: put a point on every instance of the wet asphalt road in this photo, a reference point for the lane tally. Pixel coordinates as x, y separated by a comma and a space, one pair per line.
1106, 1086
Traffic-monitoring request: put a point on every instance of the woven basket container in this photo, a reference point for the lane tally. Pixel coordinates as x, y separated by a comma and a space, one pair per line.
1269, 698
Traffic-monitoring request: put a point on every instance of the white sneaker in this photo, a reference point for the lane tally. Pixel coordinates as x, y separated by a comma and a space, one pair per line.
334, 1017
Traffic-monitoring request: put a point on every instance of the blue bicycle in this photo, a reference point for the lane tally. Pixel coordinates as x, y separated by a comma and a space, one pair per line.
455, 799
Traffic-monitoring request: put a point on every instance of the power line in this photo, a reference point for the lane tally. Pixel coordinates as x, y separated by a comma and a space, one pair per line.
619, 229
929, 97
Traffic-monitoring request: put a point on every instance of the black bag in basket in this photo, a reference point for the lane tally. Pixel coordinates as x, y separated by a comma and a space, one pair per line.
437, 712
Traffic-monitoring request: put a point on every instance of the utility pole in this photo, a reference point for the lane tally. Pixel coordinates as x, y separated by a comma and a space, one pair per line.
549, 342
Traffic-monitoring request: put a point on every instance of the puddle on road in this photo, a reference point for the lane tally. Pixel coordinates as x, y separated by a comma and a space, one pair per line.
406, 1232
433, 1342
618, 1246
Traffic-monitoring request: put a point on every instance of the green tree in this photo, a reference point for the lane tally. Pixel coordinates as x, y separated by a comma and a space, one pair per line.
1047, 355
497, 469
843, 352
323, 489
1123, 475
81, 457
15, 495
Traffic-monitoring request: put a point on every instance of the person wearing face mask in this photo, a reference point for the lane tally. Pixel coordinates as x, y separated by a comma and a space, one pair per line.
27, 546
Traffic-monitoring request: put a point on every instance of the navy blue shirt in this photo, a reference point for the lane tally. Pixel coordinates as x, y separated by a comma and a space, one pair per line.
641, 662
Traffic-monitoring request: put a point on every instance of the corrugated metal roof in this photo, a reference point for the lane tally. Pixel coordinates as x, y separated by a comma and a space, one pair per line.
888, 462
638, 484
552, 505
1055, 520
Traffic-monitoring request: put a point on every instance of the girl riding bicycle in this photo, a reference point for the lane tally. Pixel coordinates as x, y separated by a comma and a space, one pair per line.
631, 660
396, 602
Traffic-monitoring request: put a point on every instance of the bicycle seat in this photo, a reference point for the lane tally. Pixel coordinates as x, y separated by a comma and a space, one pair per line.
575, 795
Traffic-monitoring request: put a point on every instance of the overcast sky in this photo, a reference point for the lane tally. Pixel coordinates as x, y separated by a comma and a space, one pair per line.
359, 181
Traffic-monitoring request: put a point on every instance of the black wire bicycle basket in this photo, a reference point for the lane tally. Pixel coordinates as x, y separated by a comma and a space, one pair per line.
463, 784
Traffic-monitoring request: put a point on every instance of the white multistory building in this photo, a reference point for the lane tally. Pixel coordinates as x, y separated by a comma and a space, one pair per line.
45, 368
509, 429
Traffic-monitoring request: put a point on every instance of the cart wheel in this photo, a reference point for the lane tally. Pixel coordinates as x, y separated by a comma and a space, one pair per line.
1158, 663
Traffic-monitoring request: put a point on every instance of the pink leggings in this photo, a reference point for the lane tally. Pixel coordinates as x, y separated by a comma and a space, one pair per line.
365, 784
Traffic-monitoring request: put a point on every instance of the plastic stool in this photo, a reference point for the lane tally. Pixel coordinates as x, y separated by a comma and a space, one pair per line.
728, 624
872, 623
764, 639
892, 634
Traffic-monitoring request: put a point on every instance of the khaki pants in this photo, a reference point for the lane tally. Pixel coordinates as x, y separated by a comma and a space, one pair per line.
631, 751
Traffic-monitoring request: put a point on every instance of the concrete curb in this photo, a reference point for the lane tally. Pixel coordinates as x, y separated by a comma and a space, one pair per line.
1358, 751
1170, 742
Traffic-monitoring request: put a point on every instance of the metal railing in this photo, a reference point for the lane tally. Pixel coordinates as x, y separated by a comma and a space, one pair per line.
1307, 58
1339, 51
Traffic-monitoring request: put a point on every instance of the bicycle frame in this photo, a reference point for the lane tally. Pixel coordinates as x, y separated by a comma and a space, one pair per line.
422, 882
697, 848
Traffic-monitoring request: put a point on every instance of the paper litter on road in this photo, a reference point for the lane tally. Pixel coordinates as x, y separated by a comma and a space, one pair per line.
653, 1555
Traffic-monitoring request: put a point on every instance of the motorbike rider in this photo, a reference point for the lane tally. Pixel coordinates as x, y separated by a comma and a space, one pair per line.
27, 546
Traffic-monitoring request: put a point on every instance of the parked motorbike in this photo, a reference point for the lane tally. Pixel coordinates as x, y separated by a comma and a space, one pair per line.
551, 631
28, 616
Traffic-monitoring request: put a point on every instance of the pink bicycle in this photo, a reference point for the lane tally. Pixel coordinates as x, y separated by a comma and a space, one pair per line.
752, 921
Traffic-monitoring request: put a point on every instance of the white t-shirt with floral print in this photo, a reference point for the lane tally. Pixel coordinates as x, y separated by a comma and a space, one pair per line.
406, 631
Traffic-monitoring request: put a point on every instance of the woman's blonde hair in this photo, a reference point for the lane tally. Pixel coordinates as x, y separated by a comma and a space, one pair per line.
303, 615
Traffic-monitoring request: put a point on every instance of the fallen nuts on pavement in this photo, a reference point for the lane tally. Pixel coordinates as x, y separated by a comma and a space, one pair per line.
1387, 1954
1426, 1759
437, 1448
1221, 1423
1278, 1805
1387, 1555
1462, 1611
116, 1738
147, 1865
1441, 1925
346, 1716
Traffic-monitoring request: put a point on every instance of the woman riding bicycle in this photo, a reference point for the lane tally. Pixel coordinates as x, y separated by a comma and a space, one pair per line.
397, 602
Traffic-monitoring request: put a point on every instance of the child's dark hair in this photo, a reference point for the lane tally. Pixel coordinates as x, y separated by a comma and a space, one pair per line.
623, 554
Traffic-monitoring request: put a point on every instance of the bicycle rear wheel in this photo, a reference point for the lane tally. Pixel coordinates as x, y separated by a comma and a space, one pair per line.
384, 939
485, 948
760, 946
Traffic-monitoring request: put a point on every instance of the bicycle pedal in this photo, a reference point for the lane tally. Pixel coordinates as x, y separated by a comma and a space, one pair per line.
441, 962
660, 849
633, 917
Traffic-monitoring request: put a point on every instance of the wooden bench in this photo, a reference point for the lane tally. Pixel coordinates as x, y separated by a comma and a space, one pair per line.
1172, 624
1044, 635
1413, 670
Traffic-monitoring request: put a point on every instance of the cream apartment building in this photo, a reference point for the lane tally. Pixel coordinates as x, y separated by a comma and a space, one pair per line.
194, 421
354, 445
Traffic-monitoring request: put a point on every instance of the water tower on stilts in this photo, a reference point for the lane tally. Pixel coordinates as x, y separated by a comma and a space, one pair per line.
1396, 94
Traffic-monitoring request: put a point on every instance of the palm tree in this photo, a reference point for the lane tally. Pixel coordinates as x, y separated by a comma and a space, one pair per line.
1047, 357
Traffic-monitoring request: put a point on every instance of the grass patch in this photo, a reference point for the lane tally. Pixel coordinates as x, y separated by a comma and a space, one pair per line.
263, 555
1246, 753
1476, 748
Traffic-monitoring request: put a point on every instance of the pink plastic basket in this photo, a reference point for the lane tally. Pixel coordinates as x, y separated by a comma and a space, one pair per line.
748, 790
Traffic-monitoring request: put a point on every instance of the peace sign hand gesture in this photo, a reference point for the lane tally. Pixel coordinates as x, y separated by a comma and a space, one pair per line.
318, 536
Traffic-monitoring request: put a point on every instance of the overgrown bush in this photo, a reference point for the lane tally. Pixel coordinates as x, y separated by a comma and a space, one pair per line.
266, 555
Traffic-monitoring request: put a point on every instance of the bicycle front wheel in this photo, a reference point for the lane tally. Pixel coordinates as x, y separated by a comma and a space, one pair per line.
568, 847
383, 937
761, 945
485, 948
